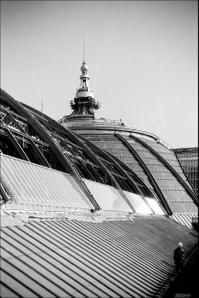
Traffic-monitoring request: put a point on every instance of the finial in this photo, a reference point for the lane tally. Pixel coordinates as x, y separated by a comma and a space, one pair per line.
84, 103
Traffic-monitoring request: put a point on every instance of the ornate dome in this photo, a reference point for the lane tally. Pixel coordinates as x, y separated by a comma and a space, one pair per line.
145, 154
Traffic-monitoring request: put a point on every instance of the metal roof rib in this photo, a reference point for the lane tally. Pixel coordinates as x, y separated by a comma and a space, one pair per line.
37, 261
168, 166
14, 141
58, 269
56, 242
7, 291
88, 259
44, 134
105, 259
148, 173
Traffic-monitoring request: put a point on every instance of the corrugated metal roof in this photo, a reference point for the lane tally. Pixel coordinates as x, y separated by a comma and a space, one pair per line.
62, 258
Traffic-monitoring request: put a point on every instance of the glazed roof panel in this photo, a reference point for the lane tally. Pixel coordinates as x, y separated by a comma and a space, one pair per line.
107, 196
169, 185
40, 139
40, 187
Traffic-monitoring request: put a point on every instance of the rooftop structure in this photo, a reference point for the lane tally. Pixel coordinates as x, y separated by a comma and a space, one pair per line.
144, 153
91, 211
84, 104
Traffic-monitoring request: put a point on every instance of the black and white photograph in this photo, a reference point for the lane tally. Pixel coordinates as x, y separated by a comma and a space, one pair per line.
99, 149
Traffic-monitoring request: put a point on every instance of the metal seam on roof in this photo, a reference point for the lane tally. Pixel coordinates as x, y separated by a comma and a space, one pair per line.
159, 175
137, 274
57, 279
129, 244
75, 255
93, 253
50, 254
168, 166
145, 168
59, 246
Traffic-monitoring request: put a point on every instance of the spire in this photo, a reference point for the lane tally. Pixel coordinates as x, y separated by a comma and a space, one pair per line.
84, 103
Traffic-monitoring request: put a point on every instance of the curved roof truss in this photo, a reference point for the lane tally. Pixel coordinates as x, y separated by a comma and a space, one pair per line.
30, 135
167, 165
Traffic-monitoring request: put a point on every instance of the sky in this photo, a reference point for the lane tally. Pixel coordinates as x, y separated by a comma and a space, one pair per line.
141, 55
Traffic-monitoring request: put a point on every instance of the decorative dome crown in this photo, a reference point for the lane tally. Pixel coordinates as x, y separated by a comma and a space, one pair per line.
84, 104
84, 68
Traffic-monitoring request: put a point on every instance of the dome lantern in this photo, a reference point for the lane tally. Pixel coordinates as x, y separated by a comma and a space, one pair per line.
84, 104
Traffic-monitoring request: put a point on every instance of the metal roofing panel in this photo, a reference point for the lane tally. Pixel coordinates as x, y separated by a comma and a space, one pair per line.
38, 186
184, 218
169, 185
10, 283
111, 144
7, 292
169, 155
117, 258
186, 207
107, 196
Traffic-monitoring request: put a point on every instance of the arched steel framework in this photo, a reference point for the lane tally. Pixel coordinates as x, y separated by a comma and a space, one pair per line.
121, 169
100, 163
14, 141
73, 154
147, 172
167, 165
54, 147
91, 150
185, 173
79, 141
10, 119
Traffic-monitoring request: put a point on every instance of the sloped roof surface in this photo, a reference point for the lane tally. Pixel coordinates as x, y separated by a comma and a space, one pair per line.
62, 258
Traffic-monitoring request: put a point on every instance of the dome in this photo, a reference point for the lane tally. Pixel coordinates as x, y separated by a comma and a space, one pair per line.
148, 156
145, 154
